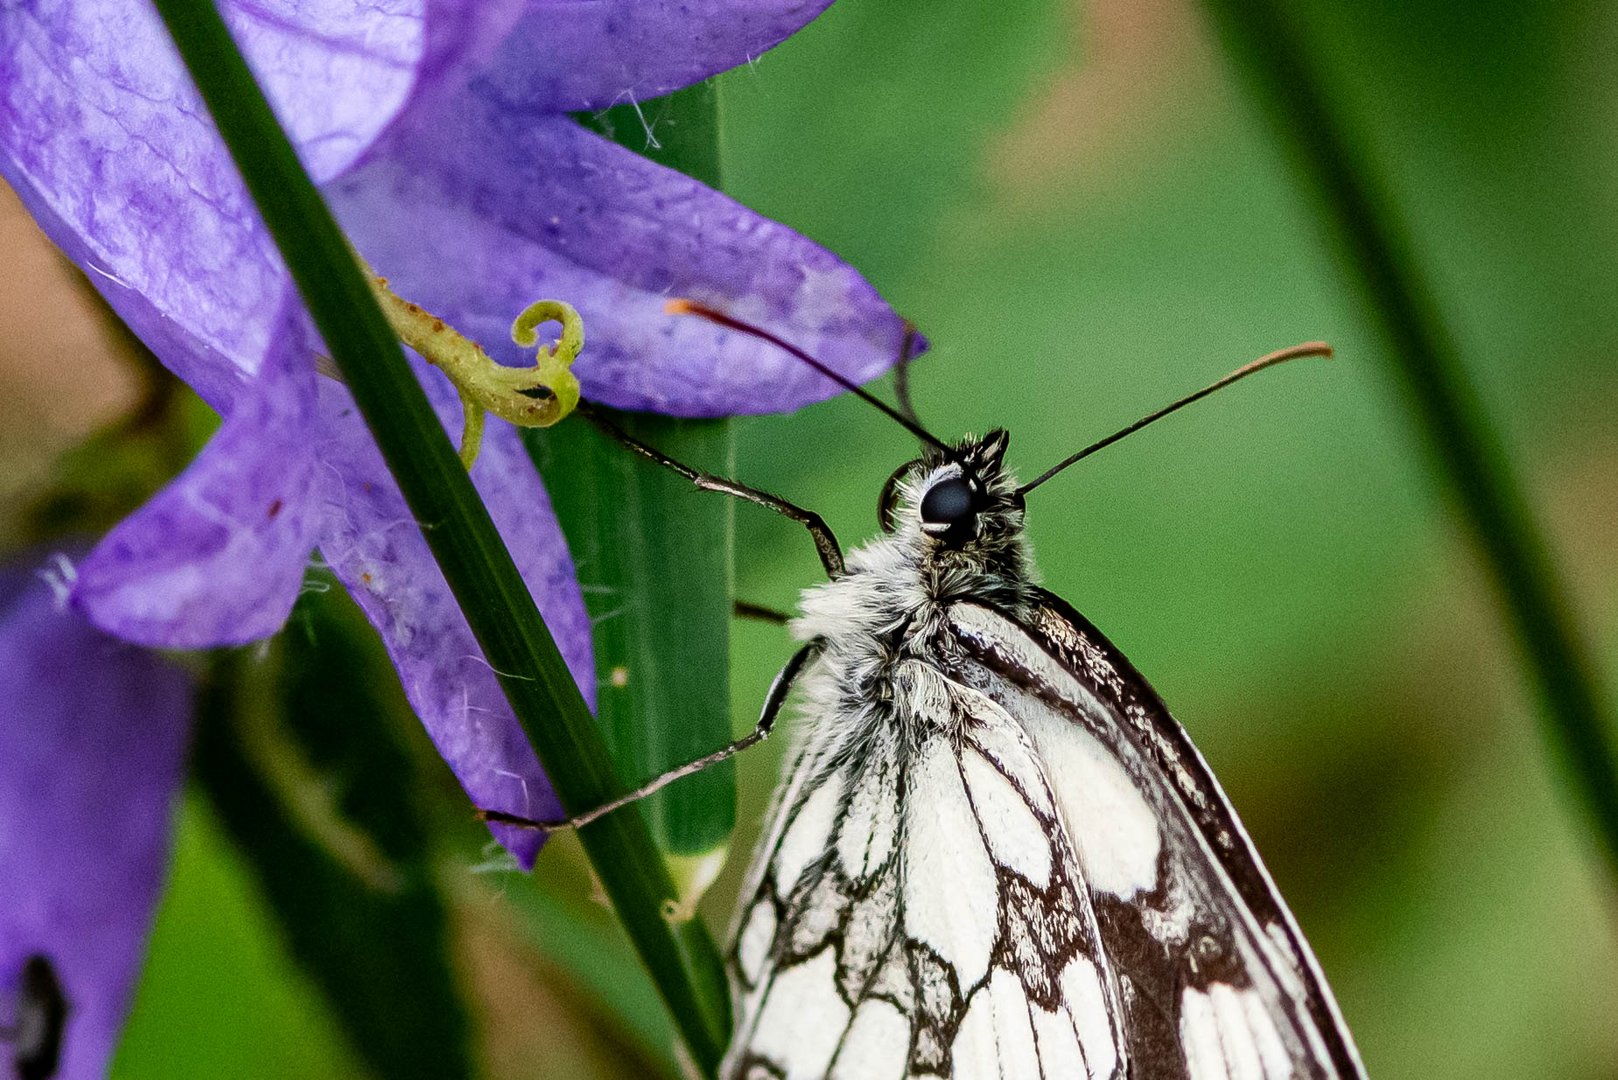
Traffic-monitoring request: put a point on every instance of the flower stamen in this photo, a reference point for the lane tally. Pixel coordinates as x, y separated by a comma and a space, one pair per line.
534, 396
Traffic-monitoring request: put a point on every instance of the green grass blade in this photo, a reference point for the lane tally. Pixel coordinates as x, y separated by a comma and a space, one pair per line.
1274, 61
680, 957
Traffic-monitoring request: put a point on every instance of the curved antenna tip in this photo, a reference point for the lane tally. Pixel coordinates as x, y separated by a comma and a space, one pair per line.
1279, 356
1321, 349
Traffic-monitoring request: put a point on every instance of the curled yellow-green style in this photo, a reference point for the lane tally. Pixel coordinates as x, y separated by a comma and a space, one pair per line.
534, 396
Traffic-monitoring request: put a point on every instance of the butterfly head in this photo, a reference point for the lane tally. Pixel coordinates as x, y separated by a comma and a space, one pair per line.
962, 499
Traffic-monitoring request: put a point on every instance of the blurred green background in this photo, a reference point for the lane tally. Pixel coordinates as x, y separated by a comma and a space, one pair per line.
1078, 204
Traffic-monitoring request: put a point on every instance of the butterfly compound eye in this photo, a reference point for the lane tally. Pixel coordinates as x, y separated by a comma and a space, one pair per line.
947, 511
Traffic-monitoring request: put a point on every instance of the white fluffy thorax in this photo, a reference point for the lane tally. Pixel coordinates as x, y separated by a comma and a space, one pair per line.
878, 624
880, 594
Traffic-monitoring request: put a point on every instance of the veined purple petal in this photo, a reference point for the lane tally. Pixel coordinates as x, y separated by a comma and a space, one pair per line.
91, 747
567, 56
217, 557
377, 550
105, 139
494, 210
475, 205
103, 136
336, 72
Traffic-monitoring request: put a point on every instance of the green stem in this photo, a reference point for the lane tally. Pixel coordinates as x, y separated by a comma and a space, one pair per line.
681, 958
1277, 67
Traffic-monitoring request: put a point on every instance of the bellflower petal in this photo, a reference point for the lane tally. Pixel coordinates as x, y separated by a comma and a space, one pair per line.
91, 753
373, 545
516, 206
435, 129
564, 56
217, 557
105, 139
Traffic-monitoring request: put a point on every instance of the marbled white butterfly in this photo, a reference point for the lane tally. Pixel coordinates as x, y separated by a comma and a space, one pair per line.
994, 853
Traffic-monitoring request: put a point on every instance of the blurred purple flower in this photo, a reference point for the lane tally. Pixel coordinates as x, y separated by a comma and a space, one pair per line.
439, 134
92, 742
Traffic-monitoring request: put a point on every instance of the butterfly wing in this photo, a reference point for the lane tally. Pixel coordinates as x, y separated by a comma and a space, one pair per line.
914, 910
1033, 876
1215, 978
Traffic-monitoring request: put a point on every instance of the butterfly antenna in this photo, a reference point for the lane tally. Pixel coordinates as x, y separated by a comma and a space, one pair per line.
1280, 356
691, 307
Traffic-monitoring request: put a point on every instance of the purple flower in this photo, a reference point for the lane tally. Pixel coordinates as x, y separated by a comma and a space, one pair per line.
439, 134
92, 744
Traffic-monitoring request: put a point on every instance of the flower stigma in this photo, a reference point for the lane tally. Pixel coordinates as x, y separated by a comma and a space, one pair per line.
535, 396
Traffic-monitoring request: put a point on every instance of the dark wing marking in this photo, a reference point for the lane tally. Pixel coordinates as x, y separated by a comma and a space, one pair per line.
813, 967
916, 912
1217, 979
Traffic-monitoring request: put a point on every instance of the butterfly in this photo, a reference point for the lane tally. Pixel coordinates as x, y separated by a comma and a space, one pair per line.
994, 853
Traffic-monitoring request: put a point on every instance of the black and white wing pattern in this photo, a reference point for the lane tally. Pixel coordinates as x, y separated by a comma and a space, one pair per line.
1214, 978
914, 913
1033, 877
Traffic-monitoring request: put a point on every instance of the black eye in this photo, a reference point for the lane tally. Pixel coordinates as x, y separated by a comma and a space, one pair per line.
947, 511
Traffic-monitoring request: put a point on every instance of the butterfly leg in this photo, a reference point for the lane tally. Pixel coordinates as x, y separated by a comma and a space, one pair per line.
831, 554
773, 702
742, 609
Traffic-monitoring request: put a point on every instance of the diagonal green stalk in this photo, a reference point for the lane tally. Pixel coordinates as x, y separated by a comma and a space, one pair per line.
681, 957
1274, 61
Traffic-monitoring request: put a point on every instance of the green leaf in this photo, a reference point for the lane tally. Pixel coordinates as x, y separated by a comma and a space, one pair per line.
304, 771
679, 955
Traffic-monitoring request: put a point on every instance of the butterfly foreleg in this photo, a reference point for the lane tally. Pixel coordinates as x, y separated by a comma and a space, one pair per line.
743, 609
773, 703
830, 552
